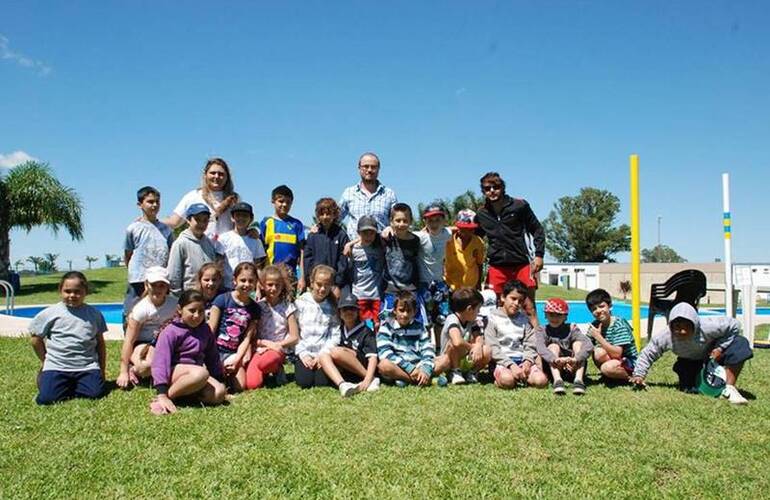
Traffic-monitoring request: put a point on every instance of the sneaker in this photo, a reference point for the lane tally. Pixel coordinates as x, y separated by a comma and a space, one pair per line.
457, 378
442, 381
471, 378
400, 384
578, 388
734, 396
348, 389
374, 386
558, 388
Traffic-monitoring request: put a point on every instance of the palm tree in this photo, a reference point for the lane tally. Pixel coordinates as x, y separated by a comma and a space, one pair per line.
36, 261
30, 196
90, 259
18, 264
50, 262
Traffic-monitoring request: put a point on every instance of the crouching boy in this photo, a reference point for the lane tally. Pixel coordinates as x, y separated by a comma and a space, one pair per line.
694, 340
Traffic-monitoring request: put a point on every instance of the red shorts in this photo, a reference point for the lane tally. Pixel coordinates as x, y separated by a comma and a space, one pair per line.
370, 309
499, 276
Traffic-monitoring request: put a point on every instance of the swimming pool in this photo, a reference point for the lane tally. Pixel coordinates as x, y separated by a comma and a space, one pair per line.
578, 312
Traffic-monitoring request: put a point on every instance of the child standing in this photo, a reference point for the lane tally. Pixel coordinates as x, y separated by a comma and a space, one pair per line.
465, 253
563, 347
186, 362
282, 234
402, 256
404, 346
192, 249
145, 321
462, 344
238, 246
356, 353
367, 269
325, 246
318, 328
233, 320
511, 340
695, 340
68, 339
278, 331
432, 288
614, 346
146, 245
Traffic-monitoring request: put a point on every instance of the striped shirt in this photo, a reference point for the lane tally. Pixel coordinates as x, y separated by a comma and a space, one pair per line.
620, 334
318, 326
355, 203
283, 239
408, 347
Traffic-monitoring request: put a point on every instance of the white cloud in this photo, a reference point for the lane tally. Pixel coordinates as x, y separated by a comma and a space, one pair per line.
16, 158
25, 62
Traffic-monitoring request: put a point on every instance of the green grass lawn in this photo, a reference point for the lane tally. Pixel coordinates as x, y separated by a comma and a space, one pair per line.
465, 442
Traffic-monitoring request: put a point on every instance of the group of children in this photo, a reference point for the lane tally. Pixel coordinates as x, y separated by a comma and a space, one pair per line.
207, 316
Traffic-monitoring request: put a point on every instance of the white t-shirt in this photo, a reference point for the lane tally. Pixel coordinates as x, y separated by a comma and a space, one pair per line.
433, 254
273, 320
217, 225
151, 317
239, 249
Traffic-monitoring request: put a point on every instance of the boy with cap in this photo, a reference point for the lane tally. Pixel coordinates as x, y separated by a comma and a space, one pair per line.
465, 253
433, 289
192, 249
563, 347
695, 340
356, 354
367, 270
238, 245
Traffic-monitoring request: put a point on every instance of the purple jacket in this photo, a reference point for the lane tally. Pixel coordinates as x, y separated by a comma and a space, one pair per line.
180, 344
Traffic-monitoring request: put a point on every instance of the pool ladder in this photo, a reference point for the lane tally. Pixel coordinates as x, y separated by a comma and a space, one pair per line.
9, 296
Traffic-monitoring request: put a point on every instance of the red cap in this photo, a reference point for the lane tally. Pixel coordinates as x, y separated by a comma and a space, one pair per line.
556, 305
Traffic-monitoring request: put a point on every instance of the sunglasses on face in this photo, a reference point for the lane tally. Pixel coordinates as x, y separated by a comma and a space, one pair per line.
491, 187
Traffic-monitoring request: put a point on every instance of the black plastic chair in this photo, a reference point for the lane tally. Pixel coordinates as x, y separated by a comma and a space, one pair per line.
689, 286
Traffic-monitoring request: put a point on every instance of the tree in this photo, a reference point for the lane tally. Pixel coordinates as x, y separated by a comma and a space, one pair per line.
49, 262
36, 261
30, 196
581, 228
661, 253
18, 264
624, 287
467, 200
90, 260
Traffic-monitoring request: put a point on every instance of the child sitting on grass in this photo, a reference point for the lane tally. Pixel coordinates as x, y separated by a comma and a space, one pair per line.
145, 321
694, 340
233, 319
404, 346
355, 356
511, 340
186, 361
614, 346
462, 344
563, 347
277, 332
68, 339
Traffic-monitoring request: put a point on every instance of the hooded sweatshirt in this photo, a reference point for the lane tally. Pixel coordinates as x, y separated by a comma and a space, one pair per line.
709, 333
187, 256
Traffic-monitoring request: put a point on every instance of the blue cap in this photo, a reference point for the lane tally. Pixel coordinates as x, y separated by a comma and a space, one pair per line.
197, 208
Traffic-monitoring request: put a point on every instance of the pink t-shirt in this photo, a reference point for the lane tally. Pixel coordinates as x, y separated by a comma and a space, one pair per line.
273, 320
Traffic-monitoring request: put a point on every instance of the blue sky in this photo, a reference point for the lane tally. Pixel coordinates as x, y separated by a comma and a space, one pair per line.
553, 95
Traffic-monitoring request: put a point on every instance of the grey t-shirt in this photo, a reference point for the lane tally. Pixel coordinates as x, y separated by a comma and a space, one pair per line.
433, 255
467, 331
70, 336
149, 242
368, 268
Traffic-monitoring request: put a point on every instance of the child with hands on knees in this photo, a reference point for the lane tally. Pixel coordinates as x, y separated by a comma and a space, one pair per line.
145, 321
278, 330
186, 361
233, 319
355, 354
405, 349
68, 339
318, 328
614, 345
511, 340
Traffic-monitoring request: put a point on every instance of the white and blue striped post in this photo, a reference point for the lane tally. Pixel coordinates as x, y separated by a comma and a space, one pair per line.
727, 225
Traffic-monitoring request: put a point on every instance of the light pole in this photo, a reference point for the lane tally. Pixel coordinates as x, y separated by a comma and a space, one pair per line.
659, 219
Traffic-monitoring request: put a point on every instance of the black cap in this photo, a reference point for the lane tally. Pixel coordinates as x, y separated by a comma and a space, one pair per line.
242, 206
348, 301
367, 223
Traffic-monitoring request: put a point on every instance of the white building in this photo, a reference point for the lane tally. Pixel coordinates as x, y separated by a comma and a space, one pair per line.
582, 275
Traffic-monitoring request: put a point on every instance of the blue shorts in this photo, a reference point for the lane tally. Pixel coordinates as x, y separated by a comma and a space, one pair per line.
56, 385
435, 296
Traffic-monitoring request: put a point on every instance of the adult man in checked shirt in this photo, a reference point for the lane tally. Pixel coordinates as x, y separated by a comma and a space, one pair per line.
368, 197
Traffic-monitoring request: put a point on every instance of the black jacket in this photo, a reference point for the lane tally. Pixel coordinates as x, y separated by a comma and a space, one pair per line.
326, 248
505, 232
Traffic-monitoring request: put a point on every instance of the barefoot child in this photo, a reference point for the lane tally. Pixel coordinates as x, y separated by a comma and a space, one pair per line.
563, 347
277, 332
233, 319
614, 346
68, 339
145, 322
356, 353
404, 346
318, 328
186, 362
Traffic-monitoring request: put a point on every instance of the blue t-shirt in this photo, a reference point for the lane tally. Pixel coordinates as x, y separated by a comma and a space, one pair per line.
233, 321
283, 239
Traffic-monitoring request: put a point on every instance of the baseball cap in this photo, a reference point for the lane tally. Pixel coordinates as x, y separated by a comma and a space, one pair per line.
197, 208
242, 207
556, 305
366, 223
348, 301
433, 209
157, 274
466, 219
